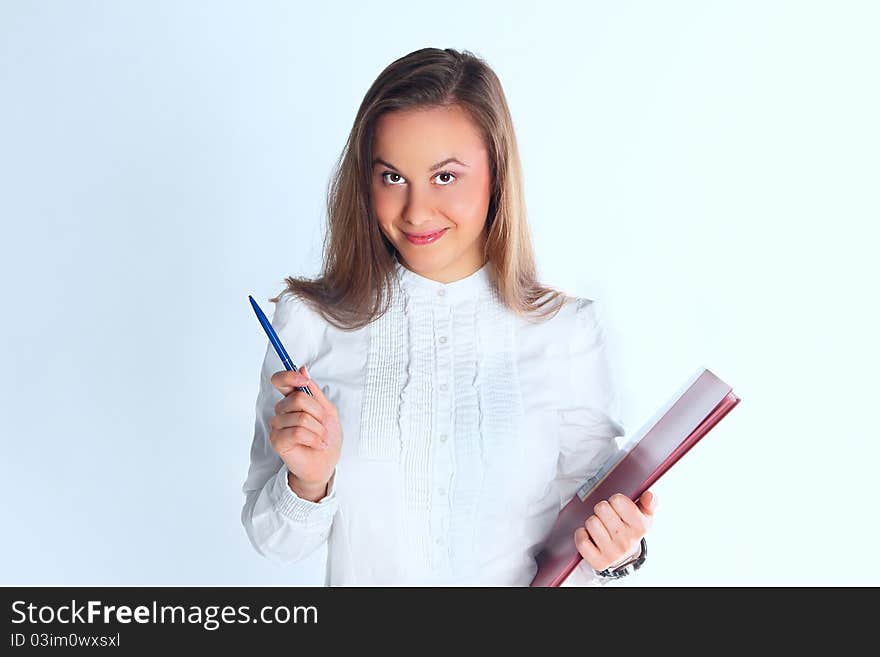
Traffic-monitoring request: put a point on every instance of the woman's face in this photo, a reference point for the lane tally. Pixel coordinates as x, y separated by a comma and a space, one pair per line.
417, 191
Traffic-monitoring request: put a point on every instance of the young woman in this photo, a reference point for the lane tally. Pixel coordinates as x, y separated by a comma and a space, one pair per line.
458, 403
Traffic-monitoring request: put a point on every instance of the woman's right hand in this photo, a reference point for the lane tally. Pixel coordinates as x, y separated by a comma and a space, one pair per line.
305, 432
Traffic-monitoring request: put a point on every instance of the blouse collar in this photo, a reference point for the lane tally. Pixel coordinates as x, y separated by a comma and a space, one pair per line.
468, 287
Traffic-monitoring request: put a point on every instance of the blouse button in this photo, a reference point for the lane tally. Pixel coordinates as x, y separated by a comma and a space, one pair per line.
441, 491
442, 339
443, 438
442, 386
441, 293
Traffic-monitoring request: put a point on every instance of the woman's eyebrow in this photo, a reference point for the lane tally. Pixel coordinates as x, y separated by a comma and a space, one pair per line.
433, 167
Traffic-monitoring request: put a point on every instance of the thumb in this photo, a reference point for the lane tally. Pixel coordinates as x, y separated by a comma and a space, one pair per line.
648, 502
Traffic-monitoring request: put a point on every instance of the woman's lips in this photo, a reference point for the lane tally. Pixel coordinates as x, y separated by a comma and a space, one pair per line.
427, 238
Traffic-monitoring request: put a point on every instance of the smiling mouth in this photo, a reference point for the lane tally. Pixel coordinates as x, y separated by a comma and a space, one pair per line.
424, 235
426, 238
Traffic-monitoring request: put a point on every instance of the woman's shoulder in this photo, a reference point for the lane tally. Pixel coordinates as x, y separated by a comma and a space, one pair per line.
576, 328
299, 326
291, 306
574, 312
589, 320
587, 311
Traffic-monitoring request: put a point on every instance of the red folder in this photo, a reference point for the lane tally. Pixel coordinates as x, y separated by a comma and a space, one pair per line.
688, 416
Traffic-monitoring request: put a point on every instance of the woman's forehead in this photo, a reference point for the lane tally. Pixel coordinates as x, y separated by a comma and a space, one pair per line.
425, 137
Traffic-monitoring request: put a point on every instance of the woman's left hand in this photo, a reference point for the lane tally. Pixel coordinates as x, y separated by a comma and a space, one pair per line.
616, 529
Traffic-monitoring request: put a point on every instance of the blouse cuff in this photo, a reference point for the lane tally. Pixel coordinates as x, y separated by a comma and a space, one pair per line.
634, 554
301, 510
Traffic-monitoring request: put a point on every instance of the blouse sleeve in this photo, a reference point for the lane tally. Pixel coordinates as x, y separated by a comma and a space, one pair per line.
281, 525
590, 418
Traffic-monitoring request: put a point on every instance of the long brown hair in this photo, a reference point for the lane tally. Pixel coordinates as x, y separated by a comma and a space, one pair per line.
356, 283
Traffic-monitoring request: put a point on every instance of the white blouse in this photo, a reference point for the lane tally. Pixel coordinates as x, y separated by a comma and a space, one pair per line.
466, 429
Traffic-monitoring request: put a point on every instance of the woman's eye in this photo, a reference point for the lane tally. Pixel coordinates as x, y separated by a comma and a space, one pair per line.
397, 176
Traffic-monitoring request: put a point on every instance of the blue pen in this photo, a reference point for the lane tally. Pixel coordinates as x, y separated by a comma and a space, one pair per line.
279, 348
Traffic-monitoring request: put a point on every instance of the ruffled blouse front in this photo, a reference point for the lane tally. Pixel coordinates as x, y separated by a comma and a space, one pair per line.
466, 428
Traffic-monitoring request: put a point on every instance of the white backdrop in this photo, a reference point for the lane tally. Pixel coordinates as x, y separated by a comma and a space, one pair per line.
709, 170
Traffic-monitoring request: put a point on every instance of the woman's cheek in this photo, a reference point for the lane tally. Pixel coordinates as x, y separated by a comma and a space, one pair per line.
469, 206
383, 207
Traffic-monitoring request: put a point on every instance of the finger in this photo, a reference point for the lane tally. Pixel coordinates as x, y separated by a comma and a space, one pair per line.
648, 503
586, 547
302, 436
286, 381
629, 512
284, 440
317, 391
298, 401
599, 533
299, 419
617, 529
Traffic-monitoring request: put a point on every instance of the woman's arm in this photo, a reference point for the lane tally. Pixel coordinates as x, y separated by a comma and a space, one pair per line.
590, 419
282, 525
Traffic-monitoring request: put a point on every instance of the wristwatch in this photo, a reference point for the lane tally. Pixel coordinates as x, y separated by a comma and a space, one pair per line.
628, 567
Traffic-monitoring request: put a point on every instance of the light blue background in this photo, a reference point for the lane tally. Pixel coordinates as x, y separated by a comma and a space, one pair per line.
709, 170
